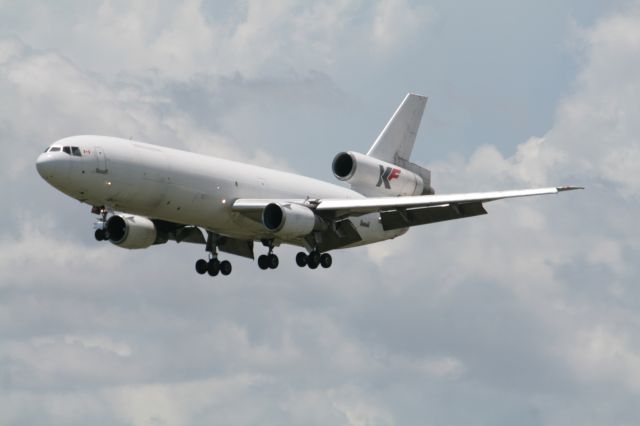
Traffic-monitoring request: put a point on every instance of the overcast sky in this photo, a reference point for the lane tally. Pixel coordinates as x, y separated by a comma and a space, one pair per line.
529, 315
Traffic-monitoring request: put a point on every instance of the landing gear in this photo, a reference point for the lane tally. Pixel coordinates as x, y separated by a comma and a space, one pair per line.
225, 267
326, 260
100, 226
313, 259
201, 266
269, 260
263, 262
100, 234
213, 266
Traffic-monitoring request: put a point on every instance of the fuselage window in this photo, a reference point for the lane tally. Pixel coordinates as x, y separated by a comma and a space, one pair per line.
66, 149
54, 149
76, 151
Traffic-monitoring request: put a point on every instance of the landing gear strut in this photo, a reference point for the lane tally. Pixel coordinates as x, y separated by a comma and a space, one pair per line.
313, 259
101, 231
269, 260
213, 266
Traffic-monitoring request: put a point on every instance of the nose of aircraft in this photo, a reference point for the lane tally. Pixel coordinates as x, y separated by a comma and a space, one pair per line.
44, 165
54, 168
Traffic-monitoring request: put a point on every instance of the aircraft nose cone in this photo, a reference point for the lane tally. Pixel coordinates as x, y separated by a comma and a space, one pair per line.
44, 165
54, 168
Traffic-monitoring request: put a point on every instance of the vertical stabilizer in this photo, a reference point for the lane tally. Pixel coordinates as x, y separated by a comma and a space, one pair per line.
398, 136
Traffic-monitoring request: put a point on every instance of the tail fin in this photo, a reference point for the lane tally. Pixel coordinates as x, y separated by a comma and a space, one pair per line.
396, 140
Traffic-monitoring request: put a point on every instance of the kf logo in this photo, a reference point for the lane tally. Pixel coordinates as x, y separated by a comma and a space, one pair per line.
387, 174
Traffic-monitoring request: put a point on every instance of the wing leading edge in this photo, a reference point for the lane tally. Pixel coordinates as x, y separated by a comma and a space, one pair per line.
342, 207
358, 206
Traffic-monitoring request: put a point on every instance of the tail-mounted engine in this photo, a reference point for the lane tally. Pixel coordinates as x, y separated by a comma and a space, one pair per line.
371, 176
132, 232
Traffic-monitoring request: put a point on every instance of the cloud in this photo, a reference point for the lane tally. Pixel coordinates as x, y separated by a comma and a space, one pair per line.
396, 21
194, 37
526, 315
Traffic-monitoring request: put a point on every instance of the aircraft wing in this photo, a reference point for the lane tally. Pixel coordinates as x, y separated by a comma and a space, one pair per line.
342, 207
395, 212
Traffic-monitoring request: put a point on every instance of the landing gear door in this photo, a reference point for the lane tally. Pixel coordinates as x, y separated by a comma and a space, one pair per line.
101, 160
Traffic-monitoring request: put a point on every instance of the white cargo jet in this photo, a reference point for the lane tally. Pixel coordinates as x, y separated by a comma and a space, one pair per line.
146, 194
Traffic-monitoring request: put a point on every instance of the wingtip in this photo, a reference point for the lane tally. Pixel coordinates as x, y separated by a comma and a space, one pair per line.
568, 188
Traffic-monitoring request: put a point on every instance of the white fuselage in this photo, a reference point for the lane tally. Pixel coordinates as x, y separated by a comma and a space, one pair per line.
183, 187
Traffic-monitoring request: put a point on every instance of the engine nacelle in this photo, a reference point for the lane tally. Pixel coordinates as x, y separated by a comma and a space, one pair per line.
371, 176
131, 232
289, 220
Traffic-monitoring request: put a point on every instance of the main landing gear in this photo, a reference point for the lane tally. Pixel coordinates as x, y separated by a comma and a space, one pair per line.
314, 259
213, 266
269, 260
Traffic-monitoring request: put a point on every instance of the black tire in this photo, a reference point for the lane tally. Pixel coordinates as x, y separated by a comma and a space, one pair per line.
263, 261
301, 259
326, 260
100, 235
225, 267
273, 261
314, 257
201, 266
313, 262
213, 267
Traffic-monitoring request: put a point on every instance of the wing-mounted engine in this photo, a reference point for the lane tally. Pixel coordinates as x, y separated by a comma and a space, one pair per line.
371, 176
290, 220
132, 232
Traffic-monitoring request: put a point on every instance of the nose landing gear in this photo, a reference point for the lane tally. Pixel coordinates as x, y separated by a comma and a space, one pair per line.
101, 232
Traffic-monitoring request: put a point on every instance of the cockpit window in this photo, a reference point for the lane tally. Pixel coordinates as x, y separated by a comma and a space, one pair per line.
54, 149
66, 149
76, 151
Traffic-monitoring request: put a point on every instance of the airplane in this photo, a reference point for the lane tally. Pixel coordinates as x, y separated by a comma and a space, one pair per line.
146, 194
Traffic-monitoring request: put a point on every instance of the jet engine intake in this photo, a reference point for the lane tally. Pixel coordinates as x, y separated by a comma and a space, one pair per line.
131, 232
289, 220
374, 177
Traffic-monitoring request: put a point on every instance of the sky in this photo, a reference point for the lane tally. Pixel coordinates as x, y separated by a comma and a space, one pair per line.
529, 315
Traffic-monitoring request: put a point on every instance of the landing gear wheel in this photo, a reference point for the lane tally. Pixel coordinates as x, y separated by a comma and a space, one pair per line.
201, 266
325, 260
100, 235
263, 261
301, 259
225, 267
314, 257
313, 260
273, 261
213, 267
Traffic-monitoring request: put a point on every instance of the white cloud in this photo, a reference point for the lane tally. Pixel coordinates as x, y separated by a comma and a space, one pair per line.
396, 21
195, 37
600, 354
